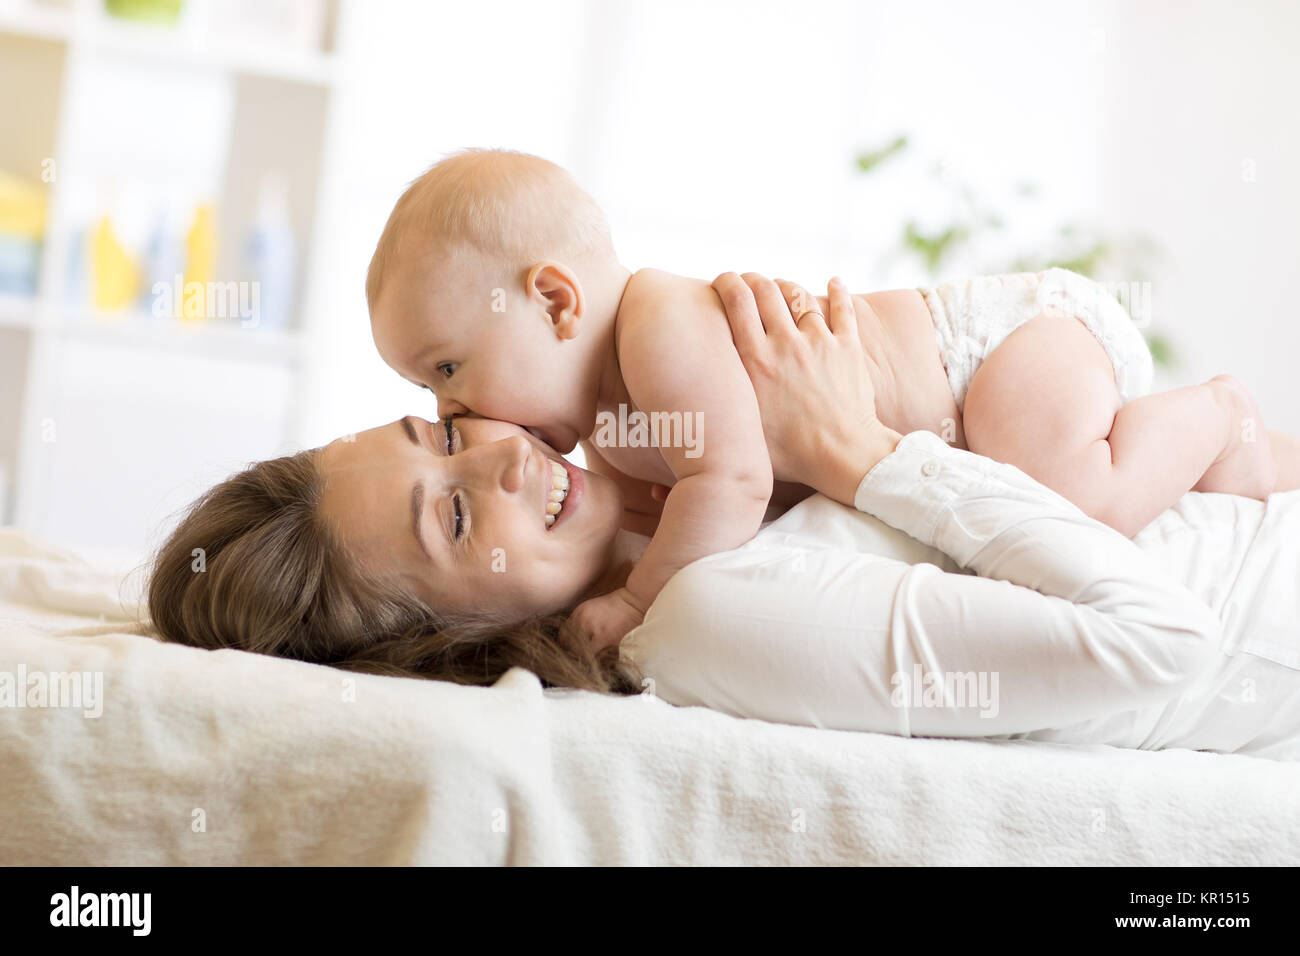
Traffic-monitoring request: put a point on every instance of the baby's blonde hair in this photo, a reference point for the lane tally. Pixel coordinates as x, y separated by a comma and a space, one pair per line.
511, 206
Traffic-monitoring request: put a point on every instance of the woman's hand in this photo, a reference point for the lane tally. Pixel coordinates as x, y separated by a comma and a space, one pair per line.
812, 381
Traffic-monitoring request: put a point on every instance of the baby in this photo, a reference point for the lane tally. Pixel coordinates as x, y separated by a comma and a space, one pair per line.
496, 286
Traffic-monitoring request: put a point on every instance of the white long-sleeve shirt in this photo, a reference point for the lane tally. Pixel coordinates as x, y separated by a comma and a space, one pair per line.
961, 598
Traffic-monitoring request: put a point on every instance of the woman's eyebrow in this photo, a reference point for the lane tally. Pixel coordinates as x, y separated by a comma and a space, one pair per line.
408, 426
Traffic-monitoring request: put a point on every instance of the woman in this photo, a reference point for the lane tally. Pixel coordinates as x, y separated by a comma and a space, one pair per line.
926, 591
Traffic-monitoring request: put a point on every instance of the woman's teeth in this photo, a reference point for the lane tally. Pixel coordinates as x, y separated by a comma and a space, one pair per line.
559, 490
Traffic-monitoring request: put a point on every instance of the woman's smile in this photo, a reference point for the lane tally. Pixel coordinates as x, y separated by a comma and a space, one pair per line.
554, 501
567, 484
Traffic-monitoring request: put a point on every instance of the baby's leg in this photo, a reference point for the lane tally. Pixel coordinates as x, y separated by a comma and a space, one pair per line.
1246, 466
1045, 401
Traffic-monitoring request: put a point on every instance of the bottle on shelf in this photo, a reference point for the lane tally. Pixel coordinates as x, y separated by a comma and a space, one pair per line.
22, 230
114, 276
200, 263
271, 256
162, 266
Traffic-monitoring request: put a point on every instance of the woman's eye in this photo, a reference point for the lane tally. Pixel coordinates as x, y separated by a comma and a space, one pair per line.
460, 517
447, 369
451, 437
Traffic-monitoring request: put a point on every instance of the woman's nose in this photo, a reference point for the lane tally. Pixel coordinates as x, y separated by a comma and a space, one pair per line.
503, 462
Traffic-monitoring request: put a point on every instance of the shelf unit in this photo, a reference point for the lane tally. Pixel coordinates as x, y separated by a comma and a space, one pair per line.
110, 423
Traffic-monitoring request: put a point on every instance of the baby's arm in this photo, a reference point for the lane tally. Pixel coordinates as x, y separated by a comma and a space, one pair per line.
676, 356
641, 509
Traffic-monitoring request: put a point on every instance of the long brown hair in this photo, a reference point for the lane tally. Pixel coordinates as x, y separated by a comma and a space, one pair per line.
252, 565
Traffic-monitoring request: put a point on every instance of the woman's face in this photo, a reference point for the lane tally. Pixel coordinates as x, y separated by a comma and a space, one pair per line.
462, 521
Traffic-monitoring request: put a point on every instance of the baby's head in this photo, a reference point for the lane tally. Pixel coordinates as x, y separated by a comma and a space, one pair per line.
491, 285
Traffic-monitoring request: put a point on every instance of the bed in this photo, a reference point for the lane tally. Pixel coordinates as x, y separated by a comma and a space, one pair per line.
220, 758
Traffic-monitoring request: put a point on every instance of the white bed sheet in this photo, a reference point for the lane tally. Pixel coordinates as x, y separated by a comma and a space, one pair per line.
226, 758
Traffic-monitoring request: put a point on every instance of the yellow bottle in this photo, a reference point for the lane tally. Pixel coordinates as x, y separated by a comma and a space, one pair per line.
22, 208
115, 278
200, 263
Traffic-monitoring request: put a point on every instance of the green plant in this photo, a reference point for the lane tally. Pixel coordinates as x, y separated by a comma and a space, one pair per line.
972, 222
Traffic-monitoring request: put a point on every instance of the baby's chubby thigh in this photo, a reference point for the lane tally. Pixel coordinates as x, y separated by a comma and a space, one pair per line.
1045, 400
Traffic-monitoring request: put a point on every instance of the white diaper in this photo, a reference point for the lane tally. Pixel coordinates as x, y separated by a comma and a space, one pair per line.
972, 317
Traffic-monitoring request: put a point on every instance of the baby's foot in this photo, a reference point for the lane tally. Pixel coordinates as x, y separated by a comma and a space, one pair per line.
1246, 465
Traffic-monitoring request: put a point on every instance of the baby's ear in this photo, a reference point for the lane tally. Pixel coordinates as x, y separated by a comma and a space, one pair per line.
556, 288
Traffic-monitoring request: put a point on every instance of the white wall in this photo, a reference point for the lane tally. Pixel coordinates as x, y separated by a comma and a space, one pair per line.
1200, 149
722, 136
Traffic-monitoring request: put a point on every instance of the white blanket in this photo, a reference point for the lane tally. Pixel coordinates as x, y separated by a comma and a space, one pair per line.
226, 758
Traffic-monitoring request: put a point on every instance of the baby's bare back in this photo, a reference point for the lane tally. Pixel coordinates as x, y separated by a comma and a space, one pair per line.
897, 333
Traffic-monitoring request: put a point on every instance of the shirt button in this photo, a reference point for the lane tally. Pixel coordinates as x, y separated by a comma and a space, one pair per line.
930, 468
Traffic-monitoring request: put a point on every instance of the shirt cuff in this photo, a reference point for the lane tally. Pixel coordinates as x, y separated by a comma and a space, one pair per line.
912, 486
